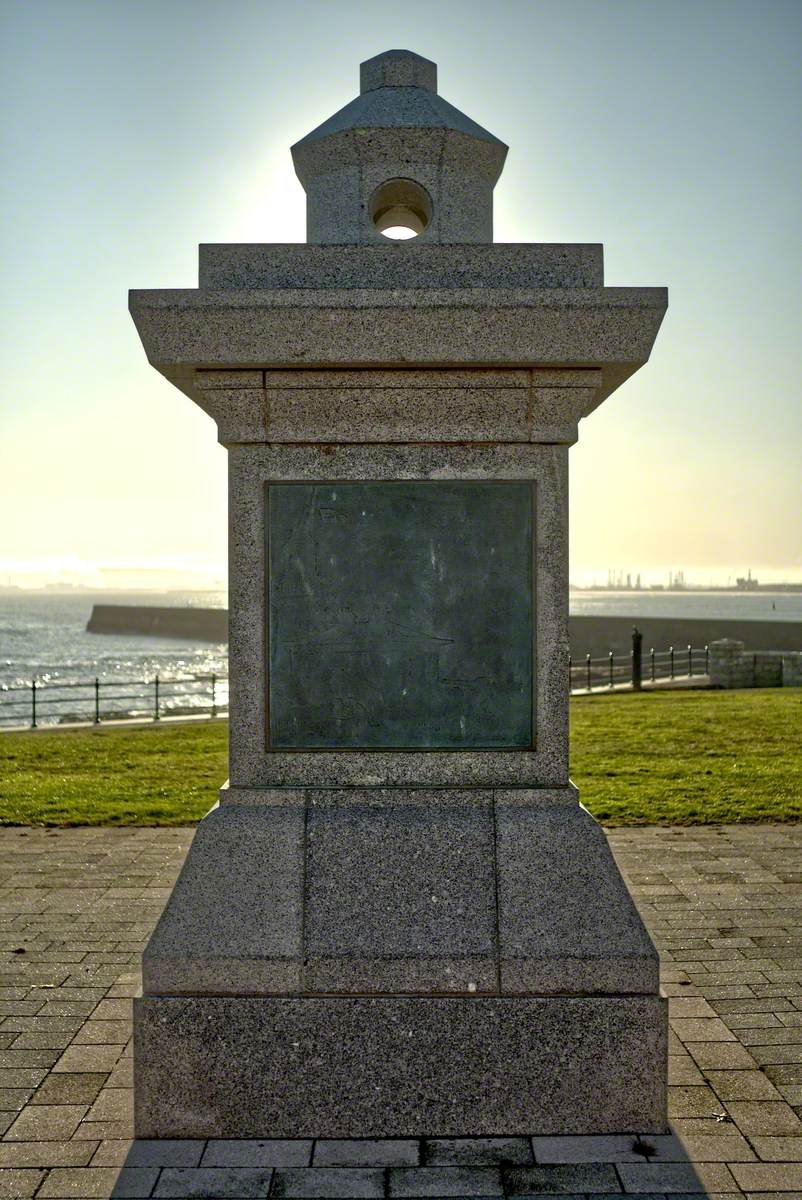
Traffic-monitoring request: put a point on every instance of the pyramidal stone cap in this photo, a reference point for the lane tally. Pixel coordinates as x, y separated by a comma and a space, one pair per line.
399, 161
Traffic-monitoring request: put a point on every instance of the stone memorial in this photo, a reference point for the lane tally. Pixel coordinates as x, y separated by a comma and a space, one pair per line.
399, 920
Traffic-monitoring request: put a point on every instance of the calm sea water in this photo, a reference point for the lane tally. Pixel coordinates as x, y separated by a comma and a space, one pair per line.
43, 635
736, 606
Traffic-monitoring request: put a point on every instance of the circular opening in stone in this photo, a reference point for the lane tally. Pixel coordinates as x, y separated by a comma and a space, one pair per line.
400, 209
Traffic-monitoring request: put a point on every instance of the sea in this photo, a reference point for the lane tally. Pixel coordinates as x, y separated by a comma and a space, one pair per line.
43, 638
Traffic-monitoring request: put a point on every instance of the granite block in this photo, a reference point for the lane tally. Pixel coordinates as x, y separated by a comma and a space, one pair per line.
251, 766
240, 413
397, 68
567, 923
344, 1067
399, 265
397, 413
612, 329
400, 893
226, 931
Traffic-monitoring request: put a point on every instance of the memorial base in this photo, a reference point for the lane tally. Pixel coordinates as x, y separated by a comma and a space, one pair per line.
351, 1067
399, 962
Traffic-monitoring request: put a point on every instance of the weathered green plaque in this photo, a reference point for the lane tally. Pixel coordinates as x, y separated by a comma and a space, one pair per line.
400, 615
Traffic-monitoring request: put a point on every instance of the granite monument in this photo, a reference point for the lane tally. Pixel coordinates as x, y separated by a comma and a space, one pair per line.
399, 920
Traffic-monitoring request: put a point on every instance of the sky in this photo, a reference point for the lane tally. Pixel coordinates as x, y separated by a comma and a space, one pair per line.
132, 130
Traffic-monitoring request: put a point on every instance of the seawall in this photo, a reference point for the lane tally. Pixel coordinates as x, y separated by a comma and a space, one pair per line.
598, 635
197, 624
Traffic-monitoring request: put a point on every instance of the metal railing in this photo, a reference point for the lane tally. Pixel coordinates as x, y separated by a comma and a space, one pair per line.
636, 668
93, 701
96, 700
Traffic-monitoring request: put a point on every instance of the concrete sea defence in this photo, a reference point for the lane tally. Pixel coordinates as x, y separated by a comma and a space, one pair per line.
588, 634
599, 634
201, 624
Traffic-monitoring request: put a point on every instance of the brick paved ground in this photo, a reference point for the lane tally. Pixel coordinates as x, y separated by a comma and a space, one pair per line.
724, 905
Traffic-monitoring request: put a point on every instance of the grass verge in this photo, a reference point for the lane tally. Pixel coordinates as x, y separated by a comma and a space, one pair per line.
680, 758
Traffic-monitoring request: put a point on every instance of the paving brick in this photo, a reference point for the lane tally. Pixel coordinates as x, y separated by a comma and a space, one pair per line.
19, 1184
693, 1102
477, 1152
722, 1055
575, 1178
677, 1177
720, 1147
765, 1117
683, 1070
742, 1085
46, 1122
607, 1148
171, 1152
14, 1099
45, 1154
103, 1033
69, 1089
111, 1153
778, 1149
92, 1059
90, 1182
444, 1181
770, 1177
362, 1152
112, 1104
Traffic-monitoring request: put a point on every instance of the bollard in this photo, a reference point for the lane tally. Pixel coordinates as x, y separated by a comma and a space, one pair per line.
97, 700
637, 658
214, 696
156, 699
33, 704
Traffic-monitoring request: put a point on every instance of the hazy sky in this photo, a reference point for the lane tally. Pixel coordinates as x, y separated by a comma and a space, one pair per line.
667, 129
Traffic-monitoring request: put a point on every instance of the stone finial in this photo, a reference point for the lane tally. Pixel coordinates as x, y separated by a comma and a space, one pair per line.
399, 161
397, 68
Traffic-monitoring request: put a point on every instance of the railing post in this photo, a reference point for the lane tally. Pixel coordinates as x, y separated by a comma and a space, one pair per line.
156, 698
33, 704
707, 660
611, 668
97, 700
637, 658
651, 656
214, 690
690, 662
587, 666
671, 660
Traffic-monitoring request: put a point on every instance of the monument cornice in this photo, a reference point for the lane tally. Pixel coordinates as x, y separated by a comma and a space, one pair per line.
184, 330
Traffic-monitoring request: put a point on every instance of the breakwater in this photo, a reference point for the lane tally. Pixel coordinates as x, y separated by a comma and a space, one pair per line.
598, 635
196, 624
595, 635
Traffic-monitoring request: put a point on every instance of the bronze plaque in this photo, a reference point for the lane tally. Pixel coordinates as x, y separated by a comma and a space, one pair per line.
400, 615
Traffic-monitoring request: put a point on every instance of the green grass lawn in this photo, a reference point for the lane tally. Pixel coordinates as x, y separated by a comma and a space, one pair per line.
693, 757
